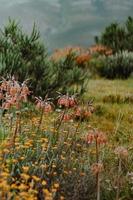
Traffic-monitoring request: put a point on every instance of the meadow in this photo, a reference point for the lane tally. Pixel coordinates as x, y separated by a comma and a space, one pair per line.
68, 148
66, 119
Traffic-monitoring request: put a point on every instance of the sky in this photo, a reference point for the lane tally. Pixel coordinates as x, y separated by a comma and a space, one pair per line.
66, 22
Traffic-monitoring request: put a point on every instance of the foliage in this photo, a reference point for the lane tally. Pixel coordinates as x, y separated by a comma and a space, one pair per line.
119, 65
68, 74
118, 37
98, 49
39, 167
25, 57
60, 54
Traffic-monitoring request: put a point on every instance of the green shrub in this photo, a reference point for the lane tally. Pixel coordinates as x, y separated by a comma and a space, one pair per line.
119, 65
95, 63
118, 37
68, 76
25, 57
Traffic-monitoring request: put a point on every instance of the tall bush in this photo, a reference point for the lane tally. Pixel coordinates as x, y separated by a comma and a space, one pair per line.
119, 65
118, 37
69, 75
25, 57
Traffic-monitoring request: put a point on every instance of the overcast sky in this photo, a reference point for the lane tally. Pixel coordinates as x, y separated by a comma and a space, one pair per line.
66, 22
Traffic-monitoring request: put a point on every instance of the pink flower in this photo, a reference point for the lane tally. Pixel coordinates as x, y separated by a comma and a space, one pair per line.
1, 96
90, 138
67, 117
97, 168
67, 101
63, 101
96, 136
47, 108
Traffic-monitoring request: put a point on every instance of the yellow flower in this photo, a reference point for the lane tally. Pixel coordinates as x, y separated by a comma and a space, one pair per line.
25, 176
56, 185
62, 157
44, 182
62, 198
14, 186
4, 186
36, 178
54, 190
55, 173
25, 169
4, 174
82, 174
65, 172
22, 187
74, 169
46, 191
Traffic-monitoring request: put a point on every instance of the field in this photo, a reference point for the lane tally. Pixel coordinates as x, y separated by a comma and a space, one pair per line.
64, 155
113, 101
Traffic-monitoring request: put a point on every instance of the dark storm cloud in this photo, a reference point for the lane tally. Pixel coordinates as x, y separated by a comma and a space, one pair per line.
63, 22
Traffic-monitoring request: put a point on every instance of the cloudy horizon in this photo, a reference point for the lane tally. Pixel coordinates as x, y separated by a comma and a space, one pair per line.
66, 22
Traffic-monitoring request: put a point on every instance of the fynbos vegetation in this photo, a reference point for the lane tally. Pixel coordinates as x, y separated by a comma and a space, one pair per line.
66, 133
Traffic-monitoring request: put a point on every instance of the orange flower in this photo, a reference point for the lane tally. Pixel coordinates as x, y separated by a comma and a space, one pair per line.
87, 113
90, 138
67, 101
78, 112
6, 105
63, 101
67, 117
1, 95
14, 92
101, 138
72, 101
47, 107
97, 168
98, 137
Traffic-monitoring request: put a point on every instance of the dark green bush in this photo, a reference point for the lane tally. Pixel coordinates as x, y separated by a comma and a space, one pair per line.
25, 57
119, 65
67, 73
118, 37
95, 63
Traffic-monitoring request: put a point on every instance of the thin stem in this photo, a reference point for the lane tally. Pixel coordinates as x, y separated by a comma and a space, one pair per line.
60, 122
16, 129
41, 118
11, 122
97, 151
98, 174
118, 180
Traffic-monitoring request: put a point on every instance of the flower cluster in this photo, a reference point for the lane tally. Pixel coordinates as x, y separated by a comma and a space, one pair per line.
67, 101
97, 168
121, 152
12, 93
82, 113
44, 105
96, 136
